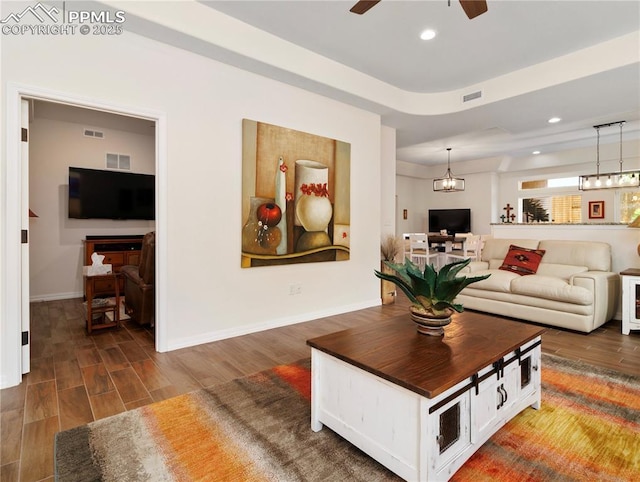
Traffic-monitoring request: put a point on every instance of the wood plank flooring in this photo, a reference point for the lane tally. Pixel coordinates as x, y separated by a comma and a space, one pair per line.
76, 378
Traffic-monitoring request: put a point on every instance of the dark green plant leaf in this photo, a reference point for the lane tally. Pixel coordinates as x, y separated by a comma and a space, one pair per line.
400, 283
431, 288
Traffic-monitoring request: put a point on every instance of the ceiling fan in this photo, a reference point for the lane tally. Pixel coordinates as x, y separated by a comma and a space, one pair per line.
472, 8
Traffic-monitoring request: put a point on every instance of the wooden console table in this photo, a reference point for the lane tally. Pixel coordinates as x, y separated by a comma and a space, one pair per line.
422, 405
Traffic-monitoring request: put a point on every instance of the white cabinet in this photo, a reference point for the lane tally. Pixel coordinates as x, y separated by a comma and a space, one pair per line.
630, 300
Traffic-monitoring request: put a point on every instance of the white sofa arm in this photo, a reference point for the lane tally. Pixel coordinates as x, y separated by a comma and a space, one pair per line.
605, 286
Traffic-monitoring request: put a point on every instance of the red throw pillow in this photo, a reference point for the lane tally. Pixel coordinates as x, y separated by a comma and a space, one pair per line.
522, 260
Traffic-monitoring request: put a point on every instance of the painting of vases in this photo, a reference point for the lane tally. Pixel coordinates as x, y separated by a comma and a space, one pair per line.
295, 196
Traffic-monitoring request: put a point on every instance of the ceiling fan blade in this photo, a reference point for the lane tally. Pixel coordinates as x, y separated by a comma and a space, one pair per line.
363, 6
473, 8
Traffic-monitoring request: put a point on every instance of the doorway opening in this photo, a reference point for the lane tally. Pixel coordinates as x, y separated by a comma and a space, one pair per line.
55, 229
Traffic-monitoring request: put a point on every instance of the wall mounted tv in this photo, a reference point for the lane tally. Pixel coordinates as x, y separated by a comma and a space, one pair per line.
453, 220
97, 194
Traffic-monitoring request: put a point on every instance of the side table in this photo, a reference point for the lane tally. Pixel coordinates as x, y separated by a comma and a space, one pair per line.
630, 300
102, 284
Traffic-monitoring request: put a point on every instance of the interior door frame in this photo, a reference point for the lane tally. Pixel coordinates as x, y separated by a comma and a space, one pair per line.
11, 283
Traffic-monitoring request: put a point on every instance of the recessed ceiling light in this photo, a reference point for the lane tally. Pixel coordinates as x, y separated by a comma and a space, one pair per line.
553, 120
535, 153
428, 34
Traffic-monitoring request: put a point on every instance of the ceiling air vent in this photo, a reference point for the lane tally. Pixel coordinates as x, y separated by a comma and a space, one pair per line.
472, 96
93, 133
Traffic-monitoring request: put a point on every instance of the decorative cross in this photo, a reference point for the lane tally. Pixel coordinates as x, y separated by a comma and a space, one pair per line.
513, 217
508, 208
503, 217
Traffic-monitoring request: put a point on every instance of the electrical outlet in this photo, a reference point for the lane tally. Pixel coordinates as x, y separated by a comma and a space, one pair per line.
295, 289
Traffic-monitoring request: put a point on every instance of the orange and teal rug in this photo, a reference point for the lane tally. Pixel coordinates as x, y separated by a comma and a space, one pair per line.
258, 428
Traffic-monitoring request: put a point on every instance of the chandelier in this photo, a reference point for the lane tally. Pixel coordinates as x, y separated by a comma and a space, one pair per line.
448, 183
609, 180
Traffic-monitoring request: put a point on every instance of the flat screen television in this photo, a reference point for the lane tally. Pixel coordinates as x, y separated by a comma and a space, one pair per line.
453, 220
100, 194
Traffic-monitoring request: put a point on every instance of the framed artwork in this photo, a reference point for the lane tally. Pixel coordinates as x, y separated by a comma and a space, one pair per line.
295, 196
596, 209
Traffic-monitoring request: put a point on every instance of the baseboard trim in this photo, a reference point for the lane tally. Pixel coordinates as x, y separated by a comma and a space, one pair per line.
276, 323
55, 297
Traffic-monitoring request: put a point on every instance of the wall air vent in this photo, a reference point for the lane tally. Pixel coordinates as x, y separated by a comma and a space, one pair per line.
118, 161
93, 133
472, 96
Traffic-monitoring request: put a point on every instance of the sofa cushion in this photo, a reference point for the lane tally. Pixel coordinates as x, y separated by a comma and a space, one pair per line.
522, 260
564, 271
498, 281
497, 248
594, 255
551, 288
516, 306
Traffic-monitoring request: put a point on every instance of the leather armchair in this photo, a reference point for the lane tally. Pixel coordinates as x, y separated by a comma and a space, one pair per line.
139, 284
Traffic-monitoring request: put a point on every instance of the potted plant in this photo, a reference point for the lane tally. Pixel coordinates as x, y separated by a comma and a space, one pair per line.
432, 293
389, 251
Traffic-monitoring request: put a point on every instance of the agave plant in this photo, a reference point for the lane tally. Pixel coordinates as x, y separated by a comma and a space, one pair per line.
431, 292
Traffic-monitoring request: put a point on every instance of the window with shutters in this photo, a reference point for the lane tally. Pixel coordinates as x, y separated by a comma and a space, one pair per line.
551, 201
552, 209
629, 206
555, 201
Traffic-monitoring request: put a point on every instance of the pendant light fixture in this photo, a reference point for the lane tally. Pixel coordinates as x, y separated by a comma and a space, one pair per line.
448, 183
609, 180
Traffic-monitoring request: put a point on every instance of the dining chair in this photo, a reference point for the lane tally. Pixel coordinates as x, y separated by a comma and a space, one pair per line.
470, 249
419, 251
458, 236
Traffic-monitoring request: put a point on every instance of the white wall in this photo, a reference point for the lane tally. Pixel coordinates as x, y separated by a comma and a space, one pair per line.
417, 196
412, 196
476, 196
56, 252
387, 179
208, 295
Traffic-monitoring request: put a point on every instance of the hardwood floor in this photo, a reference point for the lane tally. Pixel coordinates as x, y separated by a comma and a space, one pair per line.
76, 378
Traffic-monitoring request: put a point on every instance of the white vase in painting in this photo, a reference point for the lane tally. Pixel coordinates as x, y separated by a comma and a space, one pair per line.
312, 178
314, 212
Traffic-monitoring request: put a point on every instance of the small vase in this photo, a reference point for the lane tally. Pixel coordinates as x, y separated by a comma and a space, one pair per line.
281, 201
314, 212
258, 238
429, 324
308, 173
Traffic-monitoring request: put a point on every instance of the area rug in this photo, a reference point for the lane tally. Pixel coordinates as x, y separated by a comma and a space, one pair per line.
258, 428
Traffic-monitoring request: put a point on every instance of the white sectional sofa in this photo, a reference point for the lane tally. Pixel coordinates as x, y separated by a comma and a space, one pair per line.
573, 287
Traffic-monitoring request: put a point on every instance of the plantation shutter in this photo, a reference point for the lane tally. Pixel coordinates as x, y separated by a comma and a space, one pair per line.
566, 209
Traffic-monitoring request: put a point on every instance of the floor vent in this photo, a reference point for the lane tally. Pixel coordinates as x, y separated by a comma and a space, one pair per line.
94, 134
472, 96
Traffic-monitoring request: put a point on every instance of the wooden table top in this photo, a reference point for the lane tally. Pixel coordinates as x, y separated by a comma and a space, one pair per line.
427, 365
440, 238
